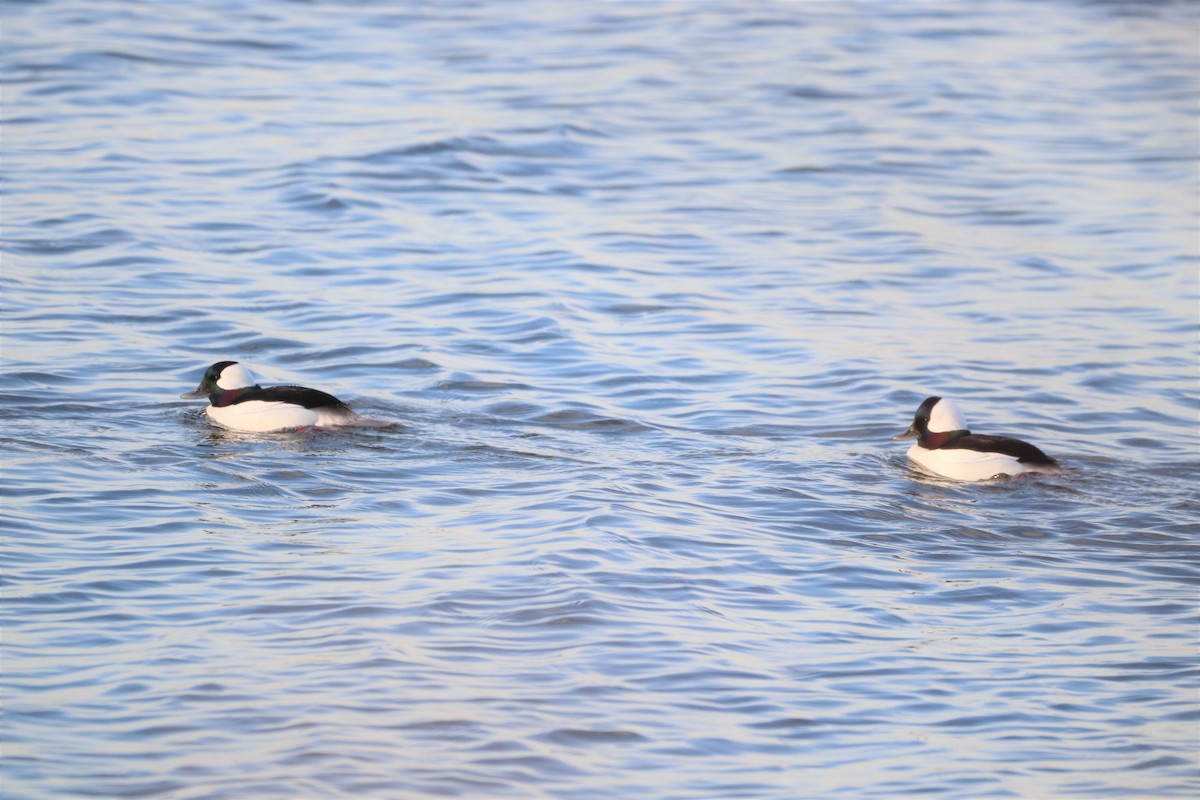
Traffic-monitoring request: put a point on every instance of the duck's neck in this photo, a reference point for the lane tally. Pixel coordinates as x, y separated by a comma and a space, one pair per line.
225, 397
932, 441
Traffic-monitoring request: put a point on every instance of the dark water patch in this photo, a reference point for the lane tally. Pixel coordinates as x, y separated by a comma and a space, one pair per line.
820, 93
576, 419
478, 386
104, 237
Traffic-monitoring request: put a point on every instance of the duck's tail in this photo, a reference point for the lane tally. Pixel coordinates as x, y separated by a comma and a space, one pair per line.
338, 416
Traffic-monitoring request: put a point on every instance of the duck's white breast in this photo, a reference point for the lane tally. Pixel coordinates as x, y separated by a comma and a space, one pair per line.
260, 416
966, 465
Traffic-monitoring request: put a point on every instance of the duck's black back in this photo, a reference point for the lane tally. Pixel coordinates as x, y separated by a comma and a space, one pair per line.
298, 395
1021, 451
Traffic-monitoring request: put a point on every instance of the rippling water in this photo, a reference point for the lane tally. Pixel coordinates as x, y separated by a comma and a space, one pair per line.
646, 288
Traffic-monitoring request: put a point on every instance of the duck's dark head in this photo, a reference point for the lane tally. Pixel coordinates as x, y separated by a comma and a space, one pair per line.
936, 422
221, 380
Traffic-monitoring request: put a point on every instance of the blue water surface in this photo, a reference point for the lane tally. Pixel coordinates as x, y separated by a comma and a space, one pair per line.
645, 288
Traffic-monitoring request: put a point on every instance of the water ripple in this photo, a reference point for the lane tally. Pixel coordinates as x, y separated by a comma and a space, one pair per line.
645, 290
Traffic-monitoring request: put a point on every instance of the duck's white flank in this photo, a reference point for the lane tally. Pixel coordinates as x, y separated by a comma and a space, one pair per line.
972, 465
259, 416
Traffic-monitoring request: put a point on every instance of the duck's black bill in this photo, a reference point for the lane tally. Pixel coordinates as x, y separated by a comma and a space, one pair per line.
911, 433
194, 394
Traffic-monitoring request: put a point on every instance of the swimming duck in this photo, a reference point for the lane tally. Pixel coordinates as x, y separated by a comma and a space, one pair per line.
945, 447
238, 403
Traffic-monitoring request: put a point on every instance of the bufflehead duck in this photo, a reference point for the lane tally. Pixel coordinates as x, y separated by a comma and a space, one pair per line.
240, 404
945, 447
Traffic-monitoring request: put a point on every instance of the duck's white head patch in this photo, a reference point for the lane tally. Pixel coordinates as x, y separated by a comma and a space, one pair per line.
945, 416
235, 376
